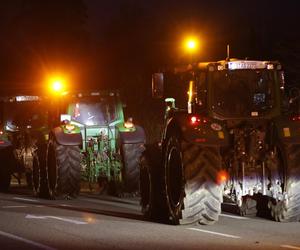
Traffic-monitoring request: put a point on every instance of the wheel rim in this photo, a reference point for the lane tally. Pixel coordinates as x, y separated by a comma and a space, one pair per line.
174, 177
51, 168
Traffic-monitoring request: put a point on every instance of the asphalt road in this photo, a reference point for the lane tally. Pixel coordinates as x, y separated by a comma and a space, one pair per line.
104, 222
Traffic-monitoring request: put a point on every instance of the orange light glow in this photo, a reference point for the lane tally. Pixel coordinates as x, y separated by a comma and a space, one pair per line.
57, 84
191, 44
222, 176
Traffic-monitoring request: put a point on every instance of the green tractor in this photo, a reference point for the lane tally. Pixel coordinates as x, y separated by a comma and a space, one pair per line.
111, 146
229, 133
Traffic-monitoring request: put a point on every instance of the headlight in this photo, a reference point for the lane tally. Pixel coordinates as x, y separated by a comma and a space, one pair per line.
69, 127
129, 123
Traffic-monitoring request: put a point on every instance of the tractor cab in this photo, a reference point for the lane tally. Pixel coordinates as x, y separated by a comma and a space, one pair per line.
244, 89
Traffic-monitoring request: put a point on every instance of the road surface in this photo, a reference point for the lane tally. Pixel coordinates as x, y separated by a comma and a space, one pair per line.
104, 222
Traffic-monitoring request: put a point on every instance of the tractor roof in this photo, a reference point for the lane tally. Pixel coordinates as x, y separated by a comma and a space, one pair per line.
232, 64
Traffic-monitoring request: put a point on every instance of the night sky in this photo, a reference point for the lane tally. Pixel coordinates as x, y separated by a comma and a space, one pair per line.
147, 35
118, 44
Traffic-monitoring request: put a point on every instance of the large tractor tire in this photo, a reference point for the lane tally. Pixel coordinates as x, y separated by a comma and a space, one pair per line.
192, 191
7, 161
288, 209
39, 172
39, 175
63, 170
151, 184
131, 154
36, 175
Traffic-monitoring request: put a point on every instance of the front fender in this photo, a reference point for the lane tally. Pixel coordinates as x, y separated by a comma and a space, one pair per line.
63, 138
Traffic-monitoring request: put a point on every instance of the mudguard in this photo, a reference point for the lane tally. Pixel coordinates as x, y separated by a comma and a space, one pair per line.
132, 137
287, 130
208, 132
67, 139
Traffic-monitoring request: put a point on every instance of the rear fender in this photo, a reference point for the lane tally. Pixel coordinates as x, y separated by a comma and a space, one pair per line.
287, 130
133, 137
208, 133
62, 138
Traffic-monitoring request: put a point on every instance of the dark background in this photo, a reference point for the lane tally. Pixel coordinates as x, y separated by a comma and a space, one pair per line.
118, 44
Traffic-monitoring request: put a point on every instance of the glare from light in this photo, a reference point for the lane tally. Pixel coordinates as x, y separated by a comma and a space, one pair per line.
222, 176
57, 85
191, 44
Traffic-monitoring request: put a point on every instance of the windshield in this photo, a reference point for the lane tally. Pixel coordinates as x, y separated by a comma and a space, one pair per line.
242, 93
93, 112
27, 113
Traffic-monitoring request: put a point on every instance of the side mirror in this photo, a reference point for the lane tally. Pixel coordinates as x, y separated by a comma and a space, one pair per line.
157, 85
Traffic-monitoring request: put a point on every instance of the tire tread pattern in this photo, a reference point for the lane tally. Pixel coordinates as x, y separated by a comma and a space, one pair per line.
131, 169
203, 194
289, 211
68, 166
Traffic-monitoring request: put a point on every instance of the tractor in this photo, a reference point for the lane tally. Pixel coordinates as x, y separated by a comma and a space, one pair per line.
229, 133
60, 142
111, 146
34, 142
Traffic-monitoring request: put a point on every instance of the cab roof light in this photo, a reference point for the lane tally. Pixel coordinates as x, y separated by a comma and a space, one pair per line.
25, 98
244, 64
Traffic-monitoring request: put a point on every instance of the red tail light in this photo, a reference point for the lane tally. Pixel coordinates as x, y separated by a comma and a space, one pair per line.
196, 120
295, 118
